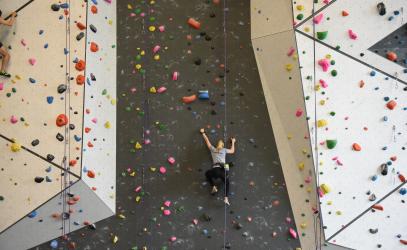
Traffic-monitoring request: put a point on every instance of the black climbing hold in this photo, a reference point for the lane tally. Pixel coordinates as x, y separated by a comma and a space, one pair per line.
1, 198
93, 28
55, 7
373, 231
212, 15
92, 226
65, 215
60, 137
71, 126
372, 197
198, 61
238, 226
228, 245
50, 157
61, 88
35, 142
80, 36
381, 8
384, 169
39, 179
208, 38
202, 33
213, 112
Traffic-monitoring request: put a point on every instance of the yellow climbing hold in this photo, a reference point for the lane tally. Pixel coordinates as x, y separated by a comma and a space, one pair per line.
338, 212
329, 203
129, 7
151, 28
121, 216
153, 169
18, 77
113, 101
138, 198
107, 124
115, 239
322, 123
317, 87
132, 174
301, 165
157, 57
138, 66
137, 146
15, 147
300, 7
306, 29
322, 102
328, 56
153, 90
325, 188
143, 52
303, 225
289, 136
288, 67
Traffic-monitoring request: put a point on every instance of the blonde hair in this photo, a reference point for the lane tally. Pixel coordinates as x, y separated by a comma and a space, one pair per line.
220, 145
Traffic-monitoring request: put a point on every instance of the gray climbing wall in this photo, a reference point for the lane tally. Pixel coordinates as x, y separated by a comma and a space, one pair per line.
260, 215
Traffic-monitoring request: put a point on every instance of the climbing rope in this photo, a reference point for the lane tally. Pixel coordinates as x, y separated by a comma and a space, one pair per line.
225, 113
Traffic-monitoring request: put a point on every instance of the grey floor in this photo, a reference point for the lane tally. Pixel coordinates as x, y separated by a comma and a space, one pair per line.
258, 189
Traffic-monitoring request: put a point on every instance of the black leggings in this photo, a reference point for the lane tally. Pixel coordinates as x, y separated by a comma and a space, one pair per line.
218, 173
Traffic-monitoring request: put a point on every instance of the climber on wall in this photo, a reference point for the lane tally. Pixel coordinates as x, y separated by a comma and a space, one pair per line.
4, 53
219, 170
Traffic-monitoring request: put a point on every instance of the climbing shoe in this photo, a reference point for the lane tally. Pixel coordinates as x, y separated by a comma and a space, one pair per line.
381, 8
5, 74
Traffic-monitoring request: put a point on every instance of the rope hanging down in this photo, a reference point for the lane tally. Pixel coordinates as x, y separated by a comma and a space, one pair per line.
225, 113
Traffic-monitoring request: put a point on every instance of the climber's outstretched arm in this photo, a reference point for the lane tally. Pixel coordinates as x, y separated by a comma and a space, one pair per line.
208, 143
10, 21
232, 149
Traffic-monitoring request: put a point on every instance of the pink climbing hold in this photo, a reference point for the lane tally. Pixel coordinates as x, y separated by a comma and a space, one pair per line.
324, 63
163, 170
167, 203
161, 90
166, 212
13, 119
352, 35
299, 112
195, 221
23, 42
137, 189
171, 160
161, 28
293, 233
175, 76
291, 51
156, 49
323, 83
32, 61
147, 141
1, 86
94, 120
327, 1
173, 238
308, 179
318, 19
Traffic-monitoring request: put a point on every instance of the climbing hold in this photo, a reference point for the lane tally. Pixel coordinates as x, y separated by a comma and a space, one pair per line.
373, 231
163, 170
91, 174
32, 61
32, 214
15, 147
80, 65
325, 188
392, 56
293, 233
153, 90
403, 191
54, 244
94, 47
175, 76
80, 79
194, 24
13, 119
324, 63
288, 67
391, 104
331, 143
166, 212
378, 207
334, 73
173, 238
38, 179
137, 146
80, 26
381, 8
321, 35
171, 160
345, 13
61, 120
384, 169
156, 49
161, 89
321, 123
188, 99
167, 203
299, 112
356, 147
203, 95
115, 239
318, 19
352, 35
402, 178
61, 88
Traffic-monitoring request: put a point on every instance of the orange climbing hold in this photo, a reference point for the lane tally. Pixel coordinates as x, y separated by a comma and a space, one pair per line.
356, 147
94, 47
194, 23
72, 163
391, 56
80, 26
402, 178
62, 120
391, 104
80, 79
80, 65
94, 9
189, 99
345, 13
91, 174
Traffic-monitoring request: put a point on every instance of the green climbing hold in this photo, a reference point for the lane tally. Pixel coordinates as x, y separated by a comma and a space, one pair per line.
152, 19
333, 62
321, 35
332, 113
334, 73
331, 143
300, 16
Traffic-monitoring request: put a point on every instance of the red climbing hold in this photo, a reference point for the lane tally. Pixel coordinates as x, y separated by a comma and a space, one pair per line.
72, 163
80, 65
391, 56
391, 104
94, 47
91, 174
402, 178
62, 120
345, 13
80, 25
194, 23
378, 207
94, 9
80, 79
404, 242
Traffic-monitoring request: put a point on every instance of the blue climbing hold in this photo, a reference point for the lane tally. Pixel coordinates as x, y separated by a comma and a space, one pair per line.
46, 46
48, 169
77, 138
50, 99
372, 73
32, 214
203, 95
54, 244
48, 179
32, 80
403, 191
64, 5
385, 118
374, 178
